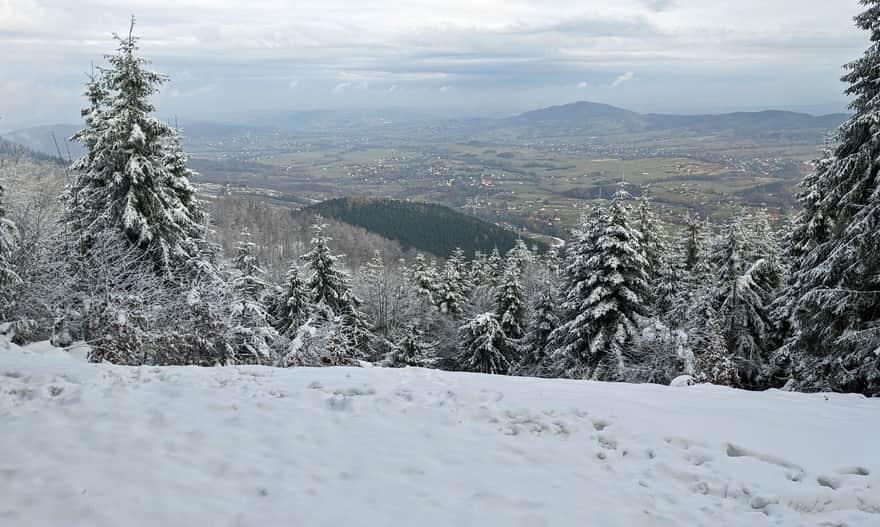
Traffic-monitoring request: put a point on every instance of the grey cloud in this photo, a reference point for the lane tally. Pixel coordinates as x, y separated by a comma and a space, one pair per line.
528, 52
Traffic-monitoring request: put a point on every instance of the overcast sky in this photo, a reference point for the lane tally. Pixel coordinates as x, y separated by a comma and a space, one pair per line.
231, 57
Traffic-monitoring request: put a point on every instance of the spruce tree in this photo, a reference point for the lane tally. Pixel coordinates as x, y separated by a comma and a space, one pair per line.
124, 181
479, 269
329, 286
693, 247
290, 306
424, 278
653, 239
543, 320
495, 267
462, 268
606, 283
713, 362
835, 323
510, 303
452, 289
742, 295
412, 349
483, 346
520, 256
254, 336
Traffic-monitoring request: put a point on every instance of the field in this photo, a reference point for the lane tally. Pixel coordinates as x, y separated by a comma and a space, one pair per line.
541, 185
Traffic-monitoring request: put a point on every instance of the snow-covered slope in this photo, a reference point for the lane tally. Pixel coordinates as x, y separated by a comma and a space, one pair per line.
98, 445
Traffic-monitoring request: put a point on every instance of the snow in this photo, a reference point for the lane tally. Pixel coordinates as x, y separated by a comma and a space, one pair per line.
101, 445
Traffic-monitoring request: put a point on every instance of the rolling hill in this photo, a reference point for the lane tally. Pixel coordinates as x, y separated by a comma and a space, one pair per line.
422, 226
589, 117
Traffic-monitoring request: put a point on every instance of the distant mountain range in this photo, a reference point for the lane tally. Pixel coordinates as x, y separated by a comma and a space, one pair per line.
589, 117
40, 138
579, 118
425, 227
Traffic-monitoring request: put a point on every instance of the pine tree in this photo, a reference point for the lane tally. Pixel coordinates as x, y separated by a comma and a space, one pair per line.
483, 346
510, 303
124, 181
606, 284
254, 335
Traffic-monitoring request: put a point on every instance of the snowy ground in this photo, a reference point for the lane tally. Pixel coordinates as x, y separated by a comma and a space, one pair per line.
96, 445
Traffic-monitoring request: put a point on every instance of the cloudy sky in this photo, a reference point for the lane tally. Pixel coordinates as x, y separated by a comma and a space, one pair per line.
466, 57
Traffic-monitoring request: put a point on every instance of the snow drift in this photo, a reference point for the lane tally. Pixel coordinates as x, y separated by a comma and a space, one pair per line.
101, 445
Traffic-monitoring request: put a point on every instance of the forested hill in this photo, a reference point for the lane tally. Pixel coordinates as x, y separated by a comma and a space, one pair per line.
422, 226
12, 149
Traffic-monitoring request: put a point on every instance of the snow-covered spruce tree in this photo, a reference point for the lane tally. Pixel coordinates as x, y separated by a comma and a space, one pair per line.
462, 268
741, 299
654, 243
510, 303
424, 277
692, 246
328, 285
254, 336
124, 181
483, 346
290, 306
520, 256
543, 320
321, 341
86, 169
495, 267
835, 324
552, 261
479, 269
606, 283
761, 242
811, 228
452, 289
663, 269
412, 348
713, 362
